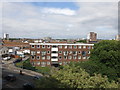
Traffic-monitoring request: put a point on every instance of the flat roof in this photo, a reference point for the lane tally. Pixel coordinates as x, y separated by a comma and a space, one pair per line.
61, 44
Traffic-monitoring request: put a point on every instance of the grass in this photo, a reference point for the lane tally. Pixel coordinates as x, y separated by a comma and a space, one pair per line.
43, 70
19, 64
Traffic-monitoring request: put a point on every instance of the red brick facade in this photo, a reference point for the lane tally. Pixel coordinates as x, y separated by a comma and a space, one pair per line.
46, 54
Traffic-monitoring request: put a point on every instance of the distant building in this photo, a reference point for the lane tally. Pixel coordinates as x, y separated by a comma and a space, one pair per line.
47, 38
6, 36
117, 37
92, 37
48, 54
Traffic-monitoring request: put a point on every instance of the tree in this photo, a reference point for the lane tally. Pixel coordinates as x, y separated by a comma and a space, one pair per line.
107, 53
75, 77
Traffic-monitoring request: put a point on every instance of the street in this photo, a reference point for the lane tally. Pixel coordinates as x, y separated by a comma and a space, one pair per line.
9, 68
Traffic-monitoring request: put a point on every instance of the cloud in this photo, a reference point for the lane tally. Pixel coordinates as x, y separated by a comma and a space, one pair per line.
64, 11
26, 20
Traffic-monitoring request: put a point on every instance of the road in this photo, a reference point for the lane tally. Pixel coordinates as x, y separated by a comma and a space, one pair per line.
9, 68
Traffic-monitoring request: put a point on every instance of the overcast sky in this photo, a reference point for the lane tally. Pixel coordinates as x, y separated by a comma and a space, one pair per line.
60, 19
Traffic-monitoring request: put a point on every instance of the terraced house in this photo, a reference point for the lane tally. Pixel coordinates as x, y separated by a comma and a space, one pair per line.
47, 54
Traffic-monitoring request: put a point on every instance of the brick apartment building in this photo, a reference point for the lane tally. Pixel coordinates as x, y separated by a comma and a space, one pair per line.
47, 54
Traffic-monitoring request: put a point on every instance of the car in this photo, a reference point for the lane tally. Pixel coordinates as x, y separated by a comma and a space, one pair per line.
10, 77
6, 58
36, 77
17, 60
28, 85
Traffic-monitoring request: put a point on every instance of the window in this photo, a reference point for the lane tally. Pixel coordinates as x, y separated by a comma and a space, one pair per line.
38, 52
43, 64
43, 57
88, 47
54, 46
74, 57
60, 57
70, 52
60, 63
79, 57
75, 47
43, 52
84, 46
65, 47
38, 46
43, 46
37, 57
79, 47
84, 53
60, 52
48, 57
48, 52
65, 57
32, 46
32, 52
75, 52
65, 52
32, 57
88, 57
84, 57
92, 47
60, 46
79, 52
88, 52
38, 63
48, 46
54, 51
48, 63
69, 57
70, 46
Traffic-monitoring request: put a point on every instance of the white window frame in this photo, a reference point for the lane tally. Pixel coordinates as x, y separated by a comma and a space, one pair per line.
70, 46
79, 46
48, 46
60, 46
43, 58
84, 47
38, 52
48, 51
75, 47
43, 46
33, 58
38, 45
70, 57
65, 46
32, 45
79, 57
37, 57
48, 57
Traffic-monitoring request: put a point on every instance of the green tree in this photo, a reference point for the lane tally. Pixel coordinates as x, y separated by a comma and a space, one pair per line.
107, 53
75, 77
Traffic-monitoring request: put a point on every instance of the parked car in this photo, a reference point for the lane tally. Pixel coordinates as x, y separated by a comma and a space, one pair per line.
36, 77
10, 77
17, 60
28, 85
6, 58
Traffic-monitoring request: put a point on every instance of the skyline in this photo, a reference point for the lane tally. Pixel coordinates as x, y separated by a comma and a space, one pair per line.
60, 19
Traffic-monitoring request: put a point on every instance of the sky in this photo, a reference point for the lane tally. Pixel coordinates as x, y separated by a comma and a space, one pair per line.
60, 19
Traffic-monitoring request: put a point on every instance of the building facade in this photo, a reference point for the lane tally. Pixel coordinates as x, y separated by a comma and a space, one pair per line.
117, 37
47, 54
92, 37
